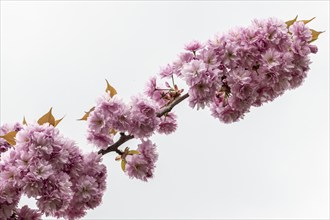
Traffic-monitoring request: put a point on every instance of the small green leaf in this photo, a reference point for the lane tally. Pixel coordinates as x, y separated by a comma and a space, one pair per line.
84, 118
10, 137
47, 118
289, 23
131, 152
110, 89
123, 165
315, 35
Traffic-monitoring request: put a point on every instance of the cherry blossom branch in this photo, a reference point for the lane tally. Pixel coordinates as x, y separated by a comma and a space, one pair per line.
124, 137
221, 74
114, 147
168, 108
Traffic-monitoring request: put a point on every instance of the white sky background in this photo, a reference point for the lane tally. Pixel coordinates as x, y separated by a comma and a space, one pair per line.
272, 164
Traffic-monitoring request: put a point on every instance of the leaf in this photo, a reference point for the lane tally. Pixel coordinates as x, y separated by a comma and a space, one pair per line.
113, 131
289, 23
307, 21
24, 121
84, 118
131, 152
123, 165
47, 118
58, 121
315, 35
110, 89
10, 137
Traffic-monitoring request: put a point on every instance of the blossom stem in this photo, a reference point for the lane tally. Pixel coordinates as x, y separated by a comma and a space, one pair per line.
169, 107
114, 147
124, 137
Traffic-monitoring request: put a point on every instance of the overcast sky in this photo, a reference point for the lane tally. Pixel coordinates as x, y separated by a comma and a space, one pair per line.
272, 164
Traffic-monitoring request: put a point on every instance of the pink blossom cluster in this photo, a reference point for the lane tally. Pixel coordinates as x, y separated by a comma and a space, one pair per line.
163, 95
142, 165
50, 168
243, 68
139, 118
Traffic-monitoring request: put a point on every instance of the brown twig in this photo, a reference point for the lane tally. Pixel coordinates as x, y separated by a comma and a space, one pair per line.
169, 107
114, 147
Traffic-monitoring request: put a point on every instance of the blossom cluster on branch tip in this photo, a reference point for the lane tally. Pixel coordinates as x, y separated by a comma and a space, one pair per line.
139, 118
229, 74
50, 168
142, 164
245, 67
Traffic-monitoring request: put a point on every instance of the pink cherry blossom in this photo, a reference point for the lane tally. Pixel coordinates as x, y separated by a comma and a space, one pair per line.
166, 71
193, 46
141, 166
50, 168
168, 124
26, 213
144, 120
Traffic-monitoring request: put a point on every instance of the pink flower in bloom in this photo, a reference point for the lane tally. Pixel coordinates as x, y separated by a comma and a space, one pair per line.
156, 93
300, 31
144, 120
203, 82
193, 46
148, 150
26, 213
202, 93
102, 140
271, 58
9, 198
151, 88
119, 115
88, 194
97, 121
183, 59
245, 67
186, 57
230, 55
225, 113
141, 166
166, 72
86, 187
52, 177
41, 170
209, 58
168, 124
99, 124
192, 71
137, 167
109, 114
